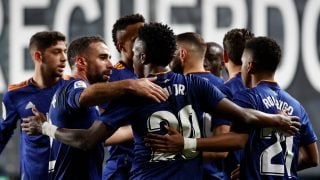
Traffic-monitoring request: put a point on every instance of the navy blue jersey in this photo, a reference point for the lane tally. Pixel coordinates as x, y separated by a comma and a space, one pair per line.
212, 170
268, 153
65, 112
233, 85
230, 88
189, 97
120, 157
120, 72
17, 104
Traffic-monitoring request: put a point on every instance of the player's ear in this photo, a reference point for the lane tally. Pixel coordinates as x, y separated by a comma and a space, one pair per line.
251, 68
225, 57
37, 56
81, 62
183, 53
120, 46
142, 58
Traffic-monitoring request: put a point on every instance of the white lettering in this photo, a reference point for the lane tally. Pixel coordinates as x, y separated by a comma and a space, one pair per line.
142, 7
210, 31
266, 103
19, 37
111, 14
1, 16
309, 42
64, 11
288, 66
271, 101
163, 14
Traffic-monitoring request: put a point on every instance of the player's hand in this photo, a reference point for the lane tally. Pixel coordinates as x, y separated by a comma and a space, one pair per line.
32, 125
289, 125
235, 174
172, 142
145, 87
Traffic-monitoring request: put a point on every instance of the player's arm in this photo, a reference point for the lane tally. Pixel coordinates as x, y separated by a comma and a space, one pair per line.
99, 93
9, 123
123, 134
174, 142
84, 139
308, 156
211, 156
229, 110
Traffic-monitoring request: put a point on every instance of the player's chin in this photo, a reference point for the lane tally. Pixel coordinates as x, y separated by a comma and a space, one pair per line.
60, 73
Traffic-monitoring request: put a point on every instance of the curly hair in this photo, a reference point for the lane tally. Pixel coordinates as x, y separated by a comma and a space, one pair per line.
234, 42
123, 22
266, 53
80, 45
160, 43
44, 39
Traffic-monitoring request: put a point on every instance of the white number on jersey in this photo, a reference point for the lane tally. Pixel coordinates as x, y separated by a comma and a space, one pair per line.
266, 167
189, 128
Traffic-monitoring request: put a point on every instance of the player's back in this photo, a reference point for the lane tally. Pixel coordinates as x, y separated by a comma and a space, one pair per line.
17, 104
189, 97
120, 157
212, 169
231, 87
65, 112
268, 153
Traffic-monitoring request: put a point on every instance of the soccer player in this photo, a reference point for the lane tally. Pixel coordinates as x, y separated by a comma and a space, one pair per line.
124, 33
188, 96
48, 52
213, 61
190, 55
72, 106
268, 153
233, 44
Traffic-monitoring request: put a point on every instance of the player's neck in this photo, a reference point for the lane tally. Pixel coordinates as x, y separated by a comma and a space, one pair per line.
233, 70
157, 69
79, 75
44, 80
127, 62
257, 78
191, 68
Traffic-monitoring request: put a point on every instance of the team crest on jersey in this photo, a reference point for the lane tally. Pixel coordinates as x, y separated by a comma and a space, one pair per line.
80, 84
29, 105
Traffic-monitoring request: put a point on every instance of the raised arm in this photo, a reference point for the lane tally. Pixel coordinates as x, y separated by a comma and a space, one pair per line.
99, 93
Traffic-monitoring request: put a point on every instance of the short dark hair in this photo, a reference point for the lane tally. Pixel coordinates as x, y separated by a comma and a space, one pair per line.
160, 43
80, 45
234, 42
266, 53
123, 22
44, 39
214, 44
194, 39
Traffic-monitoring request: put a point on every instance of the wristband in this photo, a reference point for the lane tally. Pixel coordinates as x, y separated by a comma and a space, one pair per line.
190, 144
49, 129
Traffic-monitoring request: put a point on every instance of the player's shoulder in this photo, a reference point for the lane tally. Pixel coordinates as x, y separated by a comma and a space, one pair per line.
76, 83
13, 87
67, 77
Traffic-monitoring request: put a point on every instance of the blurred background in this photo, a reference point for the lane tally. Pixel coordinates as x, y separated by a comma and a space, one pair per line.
294, 24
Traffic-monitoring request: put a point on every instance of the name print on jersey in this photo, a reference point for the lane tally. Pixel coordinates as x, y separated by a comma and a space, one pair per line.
271, 101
